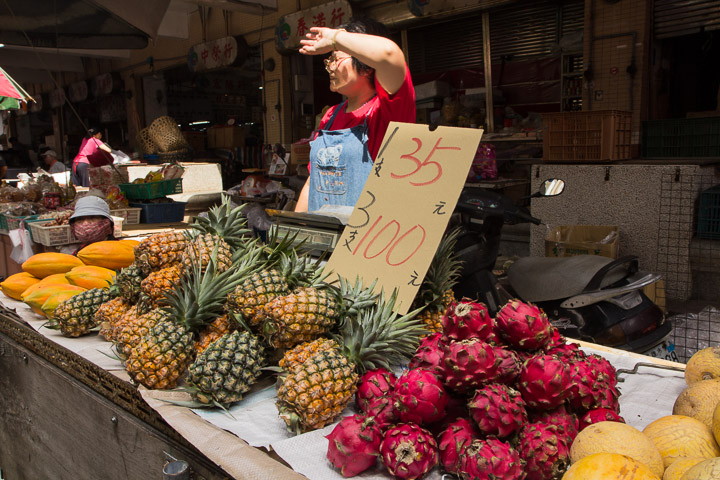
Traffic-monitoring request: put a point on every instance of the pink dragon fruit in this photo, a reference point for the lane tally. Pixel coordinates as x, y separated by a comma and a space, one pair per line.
608, 374
559, 346
453, 440
567, 422
545, 450
491, 459
498, 410
374, 384
420, 397
429, 355
523, 325
466, 319
592, 384
468, 364
354, 444
598, 415
384, 411
508, 366
408, 451
543, 382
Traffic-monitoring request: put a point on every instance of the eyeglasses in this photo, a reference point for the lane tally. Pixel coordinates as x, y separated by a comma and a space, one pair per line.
332, 62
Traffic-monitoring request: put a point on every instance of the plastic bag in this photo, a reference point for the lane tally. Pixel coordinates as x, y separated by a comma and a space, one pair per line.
484, 165
22, 245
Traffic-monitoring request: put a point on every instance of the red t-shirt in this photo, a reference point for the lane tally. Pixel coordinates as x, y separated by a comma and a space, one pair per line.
399, 107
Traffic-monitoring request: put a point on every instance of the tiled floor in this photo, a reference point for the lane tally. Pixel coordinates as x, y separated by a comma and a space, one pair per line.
693, 331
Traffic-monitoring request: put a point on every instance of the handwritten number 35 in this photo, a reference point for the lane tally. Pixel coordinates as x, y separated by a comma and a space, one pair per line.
419, 165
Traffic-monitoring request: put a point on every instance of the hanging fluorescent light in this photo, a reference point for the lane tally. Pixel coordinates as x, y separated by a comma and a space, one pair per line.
202, 122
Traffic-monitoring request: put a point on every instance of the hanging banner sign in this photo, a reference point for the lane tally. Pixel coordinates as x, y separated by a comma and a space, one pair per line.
418, 167
221, 53
102, 85
292, 28
57, 98
78, 91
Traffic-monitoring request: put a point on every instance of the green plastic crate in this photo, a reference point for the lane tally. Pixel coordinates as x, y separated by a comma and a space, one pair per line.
147, 191
684, 137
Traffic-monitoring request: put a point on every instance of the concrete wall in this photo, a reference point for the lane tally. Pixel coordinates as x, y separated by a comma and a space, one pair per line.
654, 207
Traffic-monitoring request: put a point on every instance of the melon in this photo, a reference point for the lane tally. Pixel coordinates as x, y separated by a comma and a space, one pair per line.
678, 468
703, 365
706, 470
715, 427
677, 436
698, 400
608, 466
620, 438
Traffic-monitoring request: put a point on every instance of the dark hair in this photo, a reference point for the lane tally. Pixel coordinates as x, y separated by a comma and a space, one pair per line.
364, 24
92, 131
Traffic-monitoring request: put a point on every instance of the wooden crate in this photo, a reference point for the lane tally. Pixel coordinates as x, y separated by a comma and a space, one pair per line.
577, 137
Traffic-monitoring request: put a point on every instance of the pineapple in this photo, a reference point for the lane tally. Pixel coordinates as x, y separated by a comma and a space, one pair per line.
109, 315
201, 246
226, 369
217, 328
164, 354
315, 392
76, 316
435, 294
159, 251
298, 354
135, 328
225, 221
155, 285
128, 282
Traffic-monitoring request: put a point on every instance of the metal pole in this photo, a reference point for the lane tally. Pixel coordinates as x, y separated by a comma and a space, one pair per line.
487, 63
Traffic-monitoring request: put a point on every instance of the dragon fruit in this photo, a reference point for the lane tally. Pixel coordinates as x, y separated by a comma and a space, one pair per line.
408, 451
491, 459
607, 374
420, 397
524, 325
468, 364
592, 384
374, 384
429, 355
354, 444
466, 319
498, 410
545, 451
567, 422
453, 440
508, 366
543, 382
384, 411
559, 346
598, 415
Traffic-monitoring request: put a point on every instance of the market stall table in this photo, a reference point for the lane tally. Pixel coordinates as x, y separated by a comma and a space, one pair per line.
238, 440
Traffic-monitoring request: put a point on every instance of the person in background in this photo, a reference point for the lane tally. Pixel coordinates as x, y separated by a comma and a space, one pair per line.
91, 221
369, 70
52, 163
92, 152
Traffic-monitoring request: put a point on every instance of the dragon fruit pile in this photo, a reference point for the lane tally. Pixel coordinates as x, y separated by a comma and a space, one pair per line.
499, 399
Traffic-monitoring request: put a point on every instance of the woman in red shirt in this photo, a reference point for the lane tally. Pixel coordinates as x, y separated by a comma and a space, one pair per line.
92, 152
369, 70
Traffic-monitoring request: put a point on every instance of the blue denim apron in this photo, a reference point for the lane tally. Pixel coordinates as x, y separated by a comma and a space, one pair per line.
341, 164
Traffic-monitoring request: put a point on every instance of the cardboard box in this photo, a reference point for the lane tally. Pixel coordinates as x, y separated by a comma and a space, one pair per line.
570, 240
300, 152
436, 88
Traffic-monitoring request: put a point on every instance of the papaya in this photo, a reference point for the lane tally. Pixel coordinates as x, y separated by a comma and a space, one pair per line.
48, 308
55, 278
36, 299
109, 254
44, 264
14, 285
90, 276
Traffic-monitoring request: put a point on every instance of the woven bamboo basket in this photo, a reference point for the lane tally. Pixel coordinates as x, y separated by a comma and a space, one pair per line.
146, 143
167, 135
176, 156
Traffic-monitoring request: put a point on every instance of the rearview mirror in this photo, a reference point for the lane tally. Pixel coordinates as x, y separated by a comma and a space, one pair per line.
551, 187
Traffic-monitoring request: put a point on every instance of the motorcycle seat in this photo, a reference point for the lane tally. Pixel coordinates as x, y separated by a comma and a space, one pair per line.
541, 279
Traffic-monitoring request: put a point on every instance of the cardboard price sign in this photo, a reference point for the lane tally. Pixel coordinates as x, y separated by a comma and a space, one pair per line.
401, 216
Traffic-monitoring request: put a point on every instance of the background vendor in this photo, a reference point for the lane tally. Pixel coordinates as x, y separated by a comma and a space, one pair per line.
92, 152
52, 164
90, 222
369, 70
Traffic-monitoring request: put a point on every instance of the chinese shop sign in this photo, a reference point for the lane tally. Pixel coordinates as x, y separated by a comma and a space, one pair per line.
291, 28
402, 214
220, 53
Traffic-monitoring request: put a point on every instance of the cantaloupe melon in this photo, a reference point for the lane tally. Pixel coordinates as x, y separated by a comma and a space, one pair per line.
677, 436
608, 466
705, 470
678, 468
698, 400
703, 365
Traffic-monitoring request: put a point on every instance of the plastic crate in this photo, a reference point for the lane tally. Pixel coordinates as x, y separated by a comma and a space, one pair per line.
683, 137
147, 191
131, 215
708, 225
62, 234
578, 137
11, 222
161, 212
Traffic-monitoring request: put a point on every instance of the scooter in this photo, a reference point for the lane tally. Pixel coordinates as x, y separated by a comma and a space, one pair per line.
587, 297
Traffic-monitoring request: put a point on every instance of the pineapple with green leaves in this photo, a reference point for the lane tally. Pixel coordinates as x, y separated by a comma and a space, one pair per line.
158, 283
223, 372
217, 328
129, 334
313, 393
109, 315
162, 356
435, 294
160, 250
76, 315
128, 281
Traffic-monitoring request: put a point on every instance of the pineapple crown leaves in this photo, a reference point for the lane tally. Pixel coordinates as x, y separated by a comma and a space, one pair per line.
199, 296
443, 273
224, 220
379, 337
355, 298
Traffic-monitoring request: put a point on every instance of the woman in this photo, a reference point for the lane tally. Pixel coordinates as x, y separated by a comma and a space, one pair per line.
369, 70
91, 152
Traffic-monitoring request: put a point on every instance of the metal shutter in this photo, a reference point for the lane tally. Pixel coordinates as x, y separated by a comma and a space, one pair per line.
673, 18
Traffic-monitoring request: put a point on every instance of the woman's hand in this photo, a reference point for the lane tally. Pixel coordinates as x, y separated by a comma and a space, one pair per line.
318, 41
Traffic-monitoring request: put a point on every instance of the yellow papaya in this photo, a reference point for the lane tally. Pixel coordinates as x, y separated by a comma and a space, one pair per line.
43, 264
14, 285
48, 308
109, 254
55, 278
90, 276
36, 299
